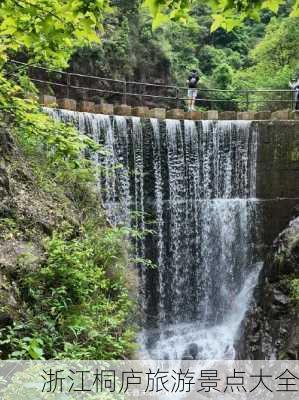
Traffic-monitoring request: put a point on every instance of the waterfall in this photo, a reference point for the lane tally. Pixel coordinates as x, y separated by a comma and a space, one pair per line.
193, 184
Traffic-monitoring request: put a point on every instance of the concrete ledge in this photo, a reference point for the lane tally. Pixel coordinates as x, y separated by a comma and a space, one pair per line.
159, 113
140, 111
228, 115
87, 106
281, 115
104, 108
175, 113
262, 115
246, 115
123, 109
67, 104
194, 115
48, 100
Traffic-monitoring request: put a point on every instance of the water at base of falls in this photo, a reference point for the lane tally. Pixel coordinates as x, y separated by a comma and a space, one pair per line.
195, 340
193, 185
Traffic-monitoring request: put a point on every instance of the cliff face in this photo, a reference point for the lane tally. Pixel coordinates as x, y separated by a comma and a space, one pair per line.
271, 327
28, 215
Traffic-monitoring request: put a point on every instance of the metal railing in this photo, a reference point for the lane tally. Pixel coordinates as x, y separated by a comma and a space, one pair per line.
88, 87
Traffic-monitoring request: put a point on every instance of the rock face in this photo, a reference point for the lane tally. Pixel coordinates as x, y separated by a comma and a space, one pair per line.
271, 327
27, 216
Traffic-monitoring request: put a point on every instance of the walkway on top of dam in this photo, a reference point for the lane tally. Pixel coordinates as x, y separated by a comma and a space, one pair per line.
161, 113
95, 94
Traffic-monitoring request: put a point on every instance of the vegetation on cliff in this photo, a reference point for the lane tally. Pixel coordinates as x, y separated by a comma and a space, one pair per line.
64, 287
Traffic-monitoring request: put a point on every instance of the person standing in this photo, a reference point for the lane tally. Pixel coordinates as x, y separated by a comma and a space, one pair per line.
192, 82
295, 86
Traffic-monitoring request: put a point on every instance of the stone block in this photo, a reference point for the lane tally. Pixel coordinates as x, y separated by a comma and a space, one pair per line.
159, 113
246, 115
123, 109
281, 115
194, 115
68, 104
263, 115
294, 115
104, 108
228, 115
48, 100
175, 113
140, 111
87, 106
212, 114
204, 115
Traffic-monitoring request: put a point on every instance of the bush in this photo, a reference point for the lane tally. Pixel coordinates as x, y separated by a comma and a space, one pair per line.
77, 301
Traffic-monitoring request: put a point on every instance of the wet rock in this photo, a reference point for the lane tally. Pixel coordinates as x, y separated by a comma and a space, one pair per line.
192, 352
6, 141
279, 298
187, 356
16, 254
4, 183
8, 301
271, 326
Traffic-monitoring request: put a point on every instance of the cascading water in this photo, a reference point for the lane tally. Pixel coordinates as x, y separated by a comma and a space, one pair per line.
193, 183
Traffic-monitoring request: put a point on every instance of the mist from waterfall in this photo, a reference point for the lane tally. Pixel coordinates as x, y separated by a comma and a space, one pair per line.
193, 184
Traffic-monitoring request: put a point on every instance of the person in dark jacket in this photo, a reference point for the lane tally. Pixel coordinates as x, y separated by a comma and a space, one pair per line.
192, 82
295, 86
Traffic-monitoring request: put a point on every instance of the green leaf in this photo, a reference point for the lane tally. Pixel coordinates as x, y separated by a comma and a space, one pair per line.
218, 21
159, 20
230, 24
8, 26
272, 5
295, 9
153, 6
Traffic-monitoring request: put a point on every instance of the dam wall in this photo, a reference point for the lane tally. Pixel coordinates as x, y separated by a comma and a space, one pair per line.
277, 175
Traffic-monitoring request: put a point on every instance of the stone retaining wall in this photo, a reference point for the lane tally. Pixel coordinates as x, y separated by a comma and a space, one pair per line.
277, 181
278, 159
